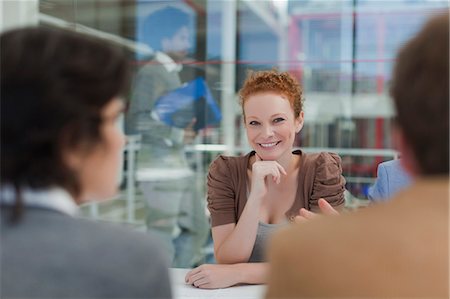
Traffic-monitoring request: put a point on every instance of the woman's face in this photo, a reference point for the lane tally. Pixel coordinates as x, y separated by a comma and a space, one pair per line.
98, 166
271, 125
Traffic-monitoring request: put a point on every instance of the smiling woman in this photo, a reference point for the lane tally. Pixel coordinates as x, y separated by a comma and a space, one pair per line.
251, 196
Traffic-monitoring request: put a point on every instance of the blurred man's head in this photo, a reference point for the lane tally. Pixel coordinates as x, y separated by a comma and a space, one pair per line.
168, 30
421, 96
60, 95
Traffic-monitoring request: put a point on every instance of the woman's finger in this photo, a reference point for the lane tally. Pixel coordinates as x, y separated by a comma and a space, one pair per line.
190, 274
196, 277
300, 219
200, 282
307, 214
281, 168
276, 176
326, 208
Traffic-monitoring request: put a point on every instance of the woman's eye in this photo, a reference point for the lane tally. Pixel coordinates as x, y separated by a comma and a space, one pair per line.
278, 119
253, 123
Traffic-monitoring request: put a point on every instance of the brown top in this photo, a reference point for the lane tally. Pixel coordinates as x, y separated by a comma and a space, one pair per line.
320, 176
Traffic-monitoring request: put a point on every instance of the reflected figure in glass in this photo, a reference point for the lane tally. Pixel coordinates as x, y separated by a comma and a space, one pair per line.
175, 206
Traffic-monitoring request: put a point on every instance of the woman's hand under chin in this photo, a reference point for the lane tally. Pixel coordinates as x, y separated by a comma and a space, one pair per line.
212, 276
261, 171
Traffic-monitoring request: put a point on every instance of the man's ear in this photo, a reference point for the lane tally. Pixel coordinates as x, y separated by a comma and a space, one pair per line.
408, 158
72, 158
165, 44
72, 155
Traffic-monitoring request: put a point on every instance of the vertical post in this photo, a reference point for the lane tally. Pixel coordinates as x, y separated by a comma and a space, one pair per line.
283, 22
228, 74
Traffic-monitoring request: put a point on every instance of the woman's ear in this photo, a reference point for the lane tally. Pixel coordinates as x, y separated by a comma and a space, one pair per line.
299, 122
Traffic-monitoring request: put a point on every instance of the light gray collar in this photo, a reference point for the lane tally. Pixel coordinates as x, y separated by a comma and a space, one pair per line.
54, 198
169, 64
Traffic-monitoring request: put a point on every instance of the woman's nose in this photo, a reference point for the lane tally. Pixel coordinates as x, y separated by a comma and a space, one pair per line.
268, 131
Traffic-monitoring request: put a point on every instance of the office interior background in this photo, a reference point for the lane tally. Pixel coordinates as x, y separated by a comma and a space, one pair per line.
341, 51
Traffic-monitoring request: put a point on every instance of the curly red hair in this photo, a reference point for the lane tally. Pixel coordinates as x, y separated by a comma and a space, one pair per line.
274, 81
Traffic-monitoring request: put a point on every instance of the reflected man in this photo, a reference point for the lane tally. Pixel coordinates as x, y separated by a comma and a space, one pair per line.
175, 207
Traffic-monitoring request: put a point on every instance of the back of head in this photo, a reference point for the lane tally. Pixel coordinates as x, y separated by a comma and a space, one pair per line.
163, 23
421, 95
54, 84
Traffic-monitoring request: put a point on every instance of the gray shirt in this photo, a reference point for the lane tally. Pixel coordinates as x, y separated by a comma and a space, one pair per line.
262, 235
51, 254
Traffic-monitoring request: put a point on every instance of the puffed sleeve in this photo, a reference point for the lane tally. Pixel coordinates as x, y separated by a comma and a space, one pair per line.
329, 183
221, 194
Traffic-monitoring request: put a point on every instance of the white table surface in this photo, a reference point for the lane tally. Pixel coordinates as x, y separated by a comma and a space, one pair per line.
181, 290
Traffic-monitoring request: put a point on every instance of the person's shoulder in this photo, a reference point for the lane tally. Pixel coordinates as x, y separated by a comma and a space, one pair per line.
80, 237
367, 226
391, 165
132, 264
234, 159
321, 158
127, 249
151, 66
230, 162
325, 167
123, 236
396, 173
96, 235
332, 239
335, 249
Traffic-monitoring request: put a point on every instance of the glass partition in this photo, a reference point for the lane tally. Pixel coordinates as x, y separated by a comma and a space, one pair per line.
190, 58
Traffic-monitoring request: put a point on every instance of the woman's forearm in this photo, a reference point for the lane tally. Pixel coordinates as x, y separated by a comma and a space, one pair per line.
213, 276
238, 245
252, 273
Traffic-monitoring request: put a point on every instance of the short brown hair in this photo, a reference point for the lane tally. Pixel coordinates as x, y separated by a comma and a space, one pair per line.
420, 91
281, 83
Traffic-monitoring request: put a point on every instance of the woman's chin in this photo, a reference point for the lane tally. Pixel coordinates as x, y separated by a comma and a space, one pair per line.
266, 156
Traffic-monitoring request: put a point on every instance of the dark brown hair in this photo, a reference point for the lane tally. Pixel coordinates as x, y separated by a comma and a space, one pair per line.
54, 84
421, 95
281, 83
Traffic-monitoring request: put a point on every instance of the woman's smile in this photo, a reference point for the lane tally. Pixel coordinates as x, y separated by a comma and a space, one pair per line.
269, 145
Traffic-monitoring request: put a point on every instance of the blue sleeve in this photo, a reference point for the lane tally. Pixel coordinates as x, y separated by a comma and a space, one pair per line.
380, 190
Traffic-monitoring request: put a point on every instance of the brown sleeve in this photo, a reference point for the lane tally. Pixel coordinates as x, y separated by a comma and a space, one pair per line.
221, 194
329, 183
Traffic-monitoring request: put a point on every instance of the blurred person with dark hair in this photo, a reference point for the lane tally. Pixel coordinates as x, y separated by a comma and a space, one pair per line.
61, 147
176, 211
400, 248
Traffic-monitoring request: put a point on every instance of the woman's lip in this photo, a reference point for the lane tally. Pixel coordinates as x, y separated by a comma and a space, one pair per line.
269, 144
